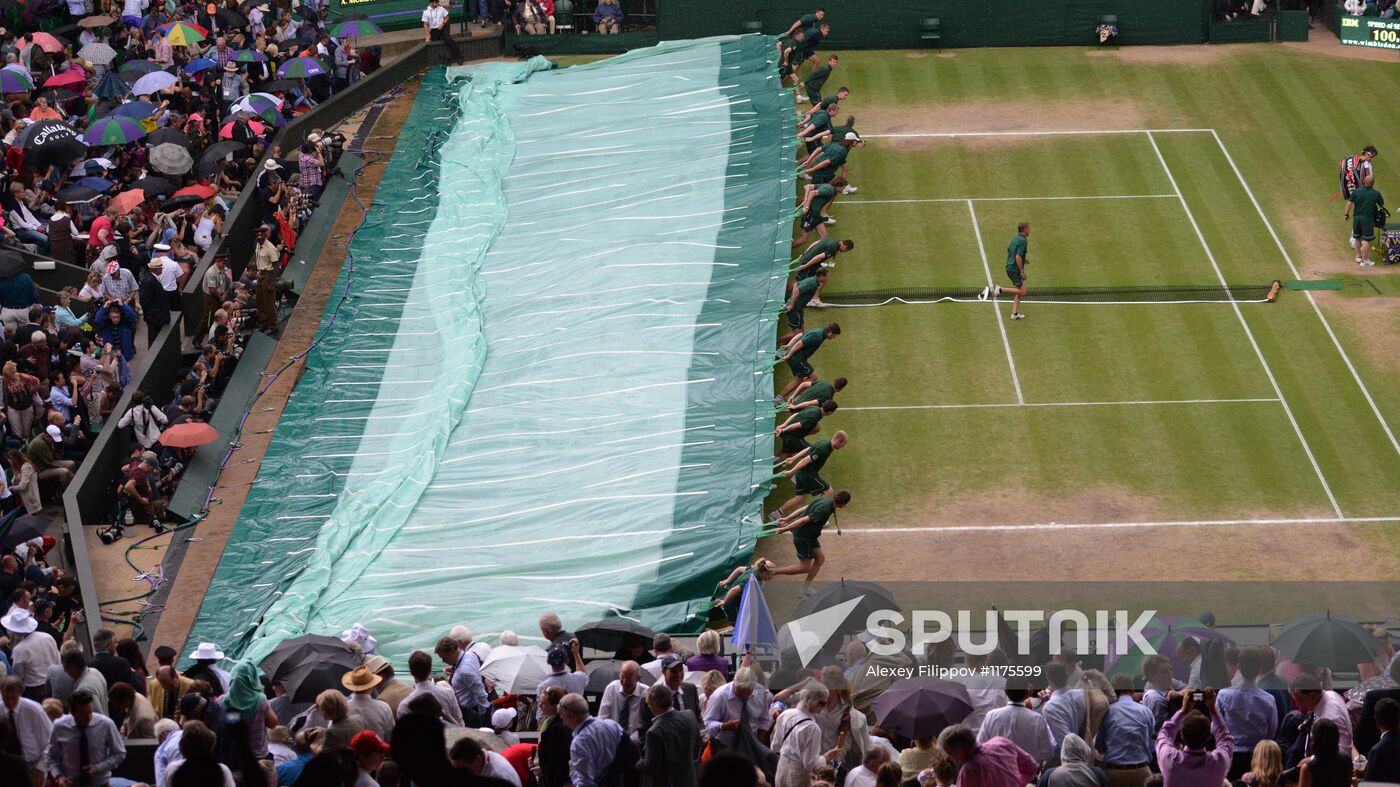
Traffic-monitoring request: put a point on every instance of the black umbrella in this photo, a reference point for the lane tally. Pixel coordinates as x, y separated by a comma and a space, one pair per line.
922, 707
1326, 640
872, 597
274, 85
230, 18
308, 665
212, 160
75, 193
611, 633
11, 264
27, 527
288, 45
601, 673
172, 136
45, 132
308, 14
178, 203
58, 95
154, 185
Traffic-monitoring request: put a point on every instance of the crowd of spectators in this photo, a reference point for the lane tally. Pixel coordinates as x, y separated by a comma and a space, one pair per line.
1215, 715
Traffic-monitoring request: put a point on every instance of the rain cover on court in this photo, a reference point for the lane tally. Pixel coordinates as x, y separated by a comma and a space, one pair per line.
550, 387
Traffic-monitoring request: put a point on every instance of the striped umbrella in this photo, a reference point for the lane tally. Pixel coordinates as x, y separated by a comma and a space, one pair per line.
354, 28
142, 67
168, 26
184, 34
12, 81
265, 107
300, 68
249, 56
114, 130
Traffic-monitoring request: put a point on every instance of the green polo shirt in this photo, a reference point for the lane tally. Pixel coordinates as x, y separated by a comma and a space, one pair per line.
825, 192
819, 511
828, 246
1018, 247
1364, 202
811, 342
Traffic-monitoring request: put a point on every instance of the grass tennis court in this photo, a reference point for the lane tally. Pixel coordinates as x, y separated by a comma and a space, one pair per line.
1091, 431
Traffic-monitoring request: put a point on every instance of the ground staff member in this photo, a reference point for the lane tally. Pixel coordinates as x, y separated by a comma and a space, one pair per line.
1362, 206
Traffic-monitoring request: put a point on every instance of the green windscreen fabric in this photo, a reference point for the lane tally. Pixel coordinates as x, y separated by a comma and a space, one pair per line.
550, 388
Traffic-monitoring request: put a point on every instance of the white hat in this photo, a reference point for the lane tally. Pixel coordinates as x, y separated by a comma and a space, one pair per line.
852, 136
19, 621
502, 718
270, 164
360, 636
162, 247
55, 433
207, 651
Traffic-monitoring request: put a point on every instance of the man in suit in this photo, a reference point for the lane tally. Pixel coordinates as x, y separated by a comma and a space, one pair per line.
685, 697
672, 745
1383, 759
1366, 733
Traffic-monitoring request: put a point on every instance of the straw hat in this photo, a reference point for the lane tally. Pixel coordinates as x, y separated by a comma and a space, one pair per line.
360, 679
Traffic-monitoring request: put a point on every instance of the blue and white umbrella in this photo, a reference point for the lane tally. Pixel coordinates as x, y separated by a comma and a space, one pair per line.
754, 628
153, 82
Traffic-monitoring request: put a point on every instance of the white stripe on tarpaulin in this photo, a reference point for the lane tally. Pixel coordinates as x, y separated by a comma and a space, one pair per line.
1104, 525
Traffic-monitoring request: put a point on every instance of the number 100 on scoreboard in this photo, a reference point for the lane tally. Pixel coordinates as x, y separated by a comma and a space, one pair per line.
1370, 31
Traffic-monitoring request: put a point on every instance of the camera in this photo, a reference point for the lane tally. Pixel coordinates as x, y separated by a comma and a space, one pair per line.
110, 534
1198, 698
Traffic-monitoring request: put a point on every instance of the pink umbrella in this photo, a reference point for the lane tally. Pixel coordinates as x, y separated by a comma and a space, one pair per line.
227, 131
46, 42
127, 200
73, 76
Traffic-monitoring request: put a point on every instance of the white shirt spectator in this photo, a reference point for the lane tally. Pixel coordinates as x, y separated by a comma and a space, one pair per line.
797, 738
987, 693
148, 421
136, 8
33, 726
175, 766
167, 754
443, 695
32, 658
1020, 725
725, 706
434, 16
860, 776
614, 699
376, 713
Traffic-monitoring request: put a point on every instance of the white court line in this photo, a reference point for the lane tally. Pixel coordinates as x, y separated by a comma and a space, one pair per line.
1054, 404
1258, 352
1085, 132
1325, 324
1104, 525
1005, 199
1001, 323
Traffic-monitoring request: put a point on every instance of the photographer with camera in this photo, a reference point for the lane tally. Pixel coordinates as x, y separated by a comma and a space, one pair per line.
145, 419
1191, 764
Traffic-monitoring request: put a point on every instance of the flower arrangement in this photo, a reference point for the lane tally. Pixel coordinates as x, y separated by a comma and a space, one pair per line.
1106, 32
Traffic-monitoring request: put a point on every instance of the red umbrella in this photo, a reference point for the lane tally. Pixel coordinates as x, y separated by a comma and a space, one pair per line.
227, 131
127, 200
73, 76
203, 192
188, 435
46, 42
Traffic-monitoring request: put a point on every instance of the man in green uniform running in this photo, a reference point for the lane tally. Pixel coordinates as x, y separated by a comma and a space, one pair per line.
1016, 262
798, 353
790, 57
816, 203
816, 129
815, 393
821, 165
804, 468
807, 20
806, 528
815, 80
804, 423
818, 256
1362, 205
803, 290
828, 102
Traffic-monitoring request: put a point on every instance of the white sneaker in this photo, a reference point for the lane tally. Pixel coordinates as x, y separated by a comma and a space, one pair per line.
777, 401
1018, 316
849, 190
830, 220
1367, 264
806, 592
986, 291
804, 176
816, 303
1356, 259
801, 99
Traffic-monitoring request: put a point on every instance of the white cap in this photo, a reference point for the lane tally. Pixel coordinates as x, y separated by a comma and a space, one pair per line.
503, 717
162, 247
852, 136
55, 433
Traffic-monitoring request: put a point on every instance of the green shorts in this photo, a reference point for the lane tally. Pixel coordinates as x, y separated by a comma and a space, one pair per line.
1365, 229
792, 443
808, 483
806, 547
1014, 274
796, 318
800, 368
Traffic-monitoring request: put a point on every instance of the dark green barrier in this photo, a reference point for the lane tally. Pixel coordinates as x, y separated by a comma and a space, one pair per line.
1241, 32
558, 45
1292, 26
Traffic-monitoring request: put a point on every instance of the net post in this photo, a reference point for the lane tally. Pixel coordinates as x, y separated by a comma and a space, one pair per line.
1273, 290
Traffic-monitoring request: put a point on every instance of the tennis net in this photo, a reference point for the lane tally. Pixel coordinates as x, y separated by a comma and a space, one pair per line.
1185, 293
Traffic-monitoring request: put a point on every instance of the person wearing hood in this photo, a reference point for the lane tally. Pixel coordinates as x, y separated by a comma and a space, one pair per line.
1076, 768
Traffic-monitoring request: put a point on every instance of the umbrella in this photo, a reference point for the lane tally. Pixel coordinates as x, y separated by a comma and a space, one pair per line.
127, 200
301, 68
601, 673
277, 85
227, 131
172, 159
111, 86
153, 82
47, 42
45, 132
922, 707
134, 110
171, 136
516, 669
1162, 633
184, 33
142, 67
50, 142
249, 56
199, 64
611, 633
27, 527
75, 194
231, 18
308, 665
199, 191
114, 130
269, 108
872, 597
12, 81
86, 167
11, 264
100, 184
152, 185
754, 628
57, 95
188, 435
1326, 640
90, 22
73, 76
177, 203
212, 160
168, 26
354, 29
98, 52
